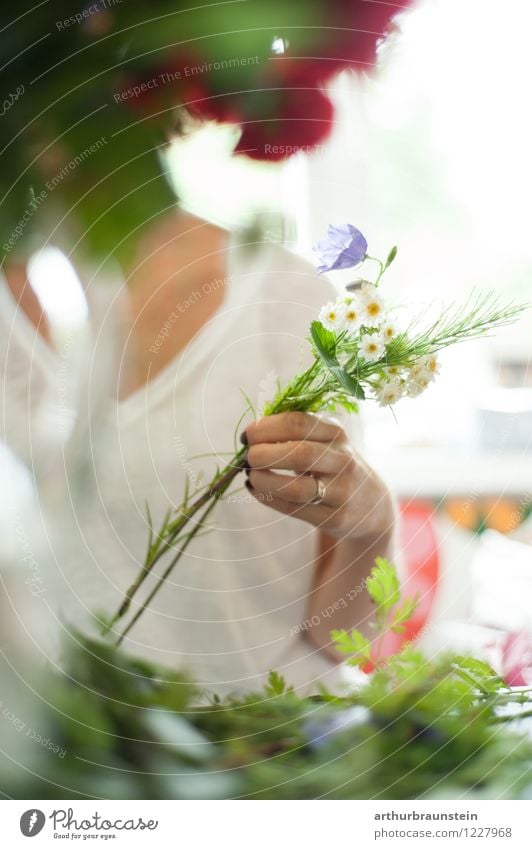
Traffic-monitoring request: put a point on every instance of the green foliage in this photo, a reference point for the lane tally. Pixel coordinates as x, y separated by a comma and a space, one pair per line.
340, 376
402, 614
384, 588
392, 612
354, 644
324, 342
325, 347
478, 673
276, 685
343, 401
457, 681
132, 730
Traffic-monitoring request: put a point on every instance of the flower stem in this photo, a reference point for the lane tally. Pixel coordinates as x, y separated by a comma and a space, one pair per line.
170, 567
217, 487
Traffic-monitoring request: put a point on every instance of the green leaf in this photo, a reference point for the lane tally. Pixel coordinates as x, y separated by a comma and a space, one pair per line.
354, 644
276, 685
349, 383
478, 673
325, 345
325, 342
409, 664
347, 405
332, 403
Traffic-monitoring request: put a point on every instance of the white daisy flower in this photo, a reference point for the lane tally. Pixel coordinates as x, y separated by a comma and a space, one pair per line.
389, 392
388, 331
332, 317
419, 373
371, 348
432, 365
351, 314
372, 307
393, 371
422, 374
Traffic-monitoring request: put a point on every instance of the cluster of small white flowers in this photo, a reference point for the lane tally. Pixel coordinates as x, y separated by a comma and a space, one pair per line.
364, 309
400, 383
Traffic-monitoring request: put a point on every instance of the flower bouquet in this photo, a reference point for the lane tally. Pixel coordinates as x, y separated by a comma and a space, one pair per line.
360, 351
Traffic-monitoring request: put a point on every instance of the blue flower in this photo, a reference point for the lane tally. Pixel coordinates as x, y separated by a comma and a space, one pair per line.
344, 247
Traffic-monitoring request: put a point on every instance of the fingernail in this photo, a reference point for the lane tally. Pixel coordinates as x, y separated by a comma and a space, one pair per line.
243, 438
249, 485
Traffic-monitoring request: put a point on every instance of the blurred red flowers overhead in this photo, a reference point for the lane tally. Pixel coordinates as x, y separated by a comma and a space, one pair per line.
137, 69
366, 23
278, 96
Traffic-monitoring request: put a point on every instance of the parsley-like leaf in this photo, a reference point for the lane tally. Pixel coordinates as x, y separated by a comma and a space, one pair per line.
276, 685
403, 613
478, 674
383, 587
354, 644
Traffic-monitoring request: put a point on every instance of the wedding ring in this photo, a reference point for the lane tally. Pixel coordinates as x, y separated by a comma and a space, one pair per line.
320, 491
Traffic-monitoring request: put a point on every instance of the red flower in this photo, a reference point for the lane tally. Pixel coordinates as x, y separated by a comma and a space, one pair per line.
283, 111
284, 108
290, 112
224, 108
303, 120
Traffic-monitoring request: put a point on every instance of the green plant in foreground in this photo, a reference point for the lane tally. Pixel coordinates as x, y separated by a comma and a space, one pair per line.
406, 667
418, 728
391, 614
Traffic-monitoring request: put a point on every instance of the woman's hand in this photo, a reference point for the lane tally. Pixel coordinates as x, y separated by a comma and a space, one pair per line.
330, 486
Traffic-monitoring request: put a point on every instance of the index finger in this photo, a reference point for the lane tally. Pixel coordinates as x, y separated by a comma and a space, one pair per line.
296, 426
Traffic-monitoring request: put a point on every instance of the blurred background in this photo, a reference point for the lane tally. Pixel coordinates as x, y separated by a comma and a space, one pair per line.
431, 153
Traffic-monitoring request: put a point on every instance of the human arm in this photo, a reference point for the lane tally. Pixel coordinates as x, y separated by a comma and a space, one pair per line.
287, 455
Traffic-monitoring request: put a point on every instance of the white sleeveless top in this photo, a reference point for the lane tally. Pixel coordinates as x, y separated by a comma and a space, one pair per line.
230, 610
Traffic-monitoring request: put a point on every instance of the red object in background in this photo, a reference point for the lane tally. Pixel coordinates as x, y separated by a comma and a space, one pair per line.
419, 549
284, 107
284, 111
363, 24
290, 91
302, 115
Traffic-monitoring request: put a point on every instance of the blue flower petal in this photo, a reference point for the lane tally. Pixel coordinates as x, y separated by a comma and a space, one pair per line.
344, 247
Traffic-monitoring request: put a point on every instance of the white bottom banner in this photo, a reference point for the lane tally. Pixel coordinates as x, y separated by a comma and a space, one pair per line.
268, 824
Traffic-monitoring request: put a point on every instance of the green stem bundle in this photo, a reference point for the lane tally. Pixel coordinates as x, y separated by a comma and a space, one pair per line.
169, 535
